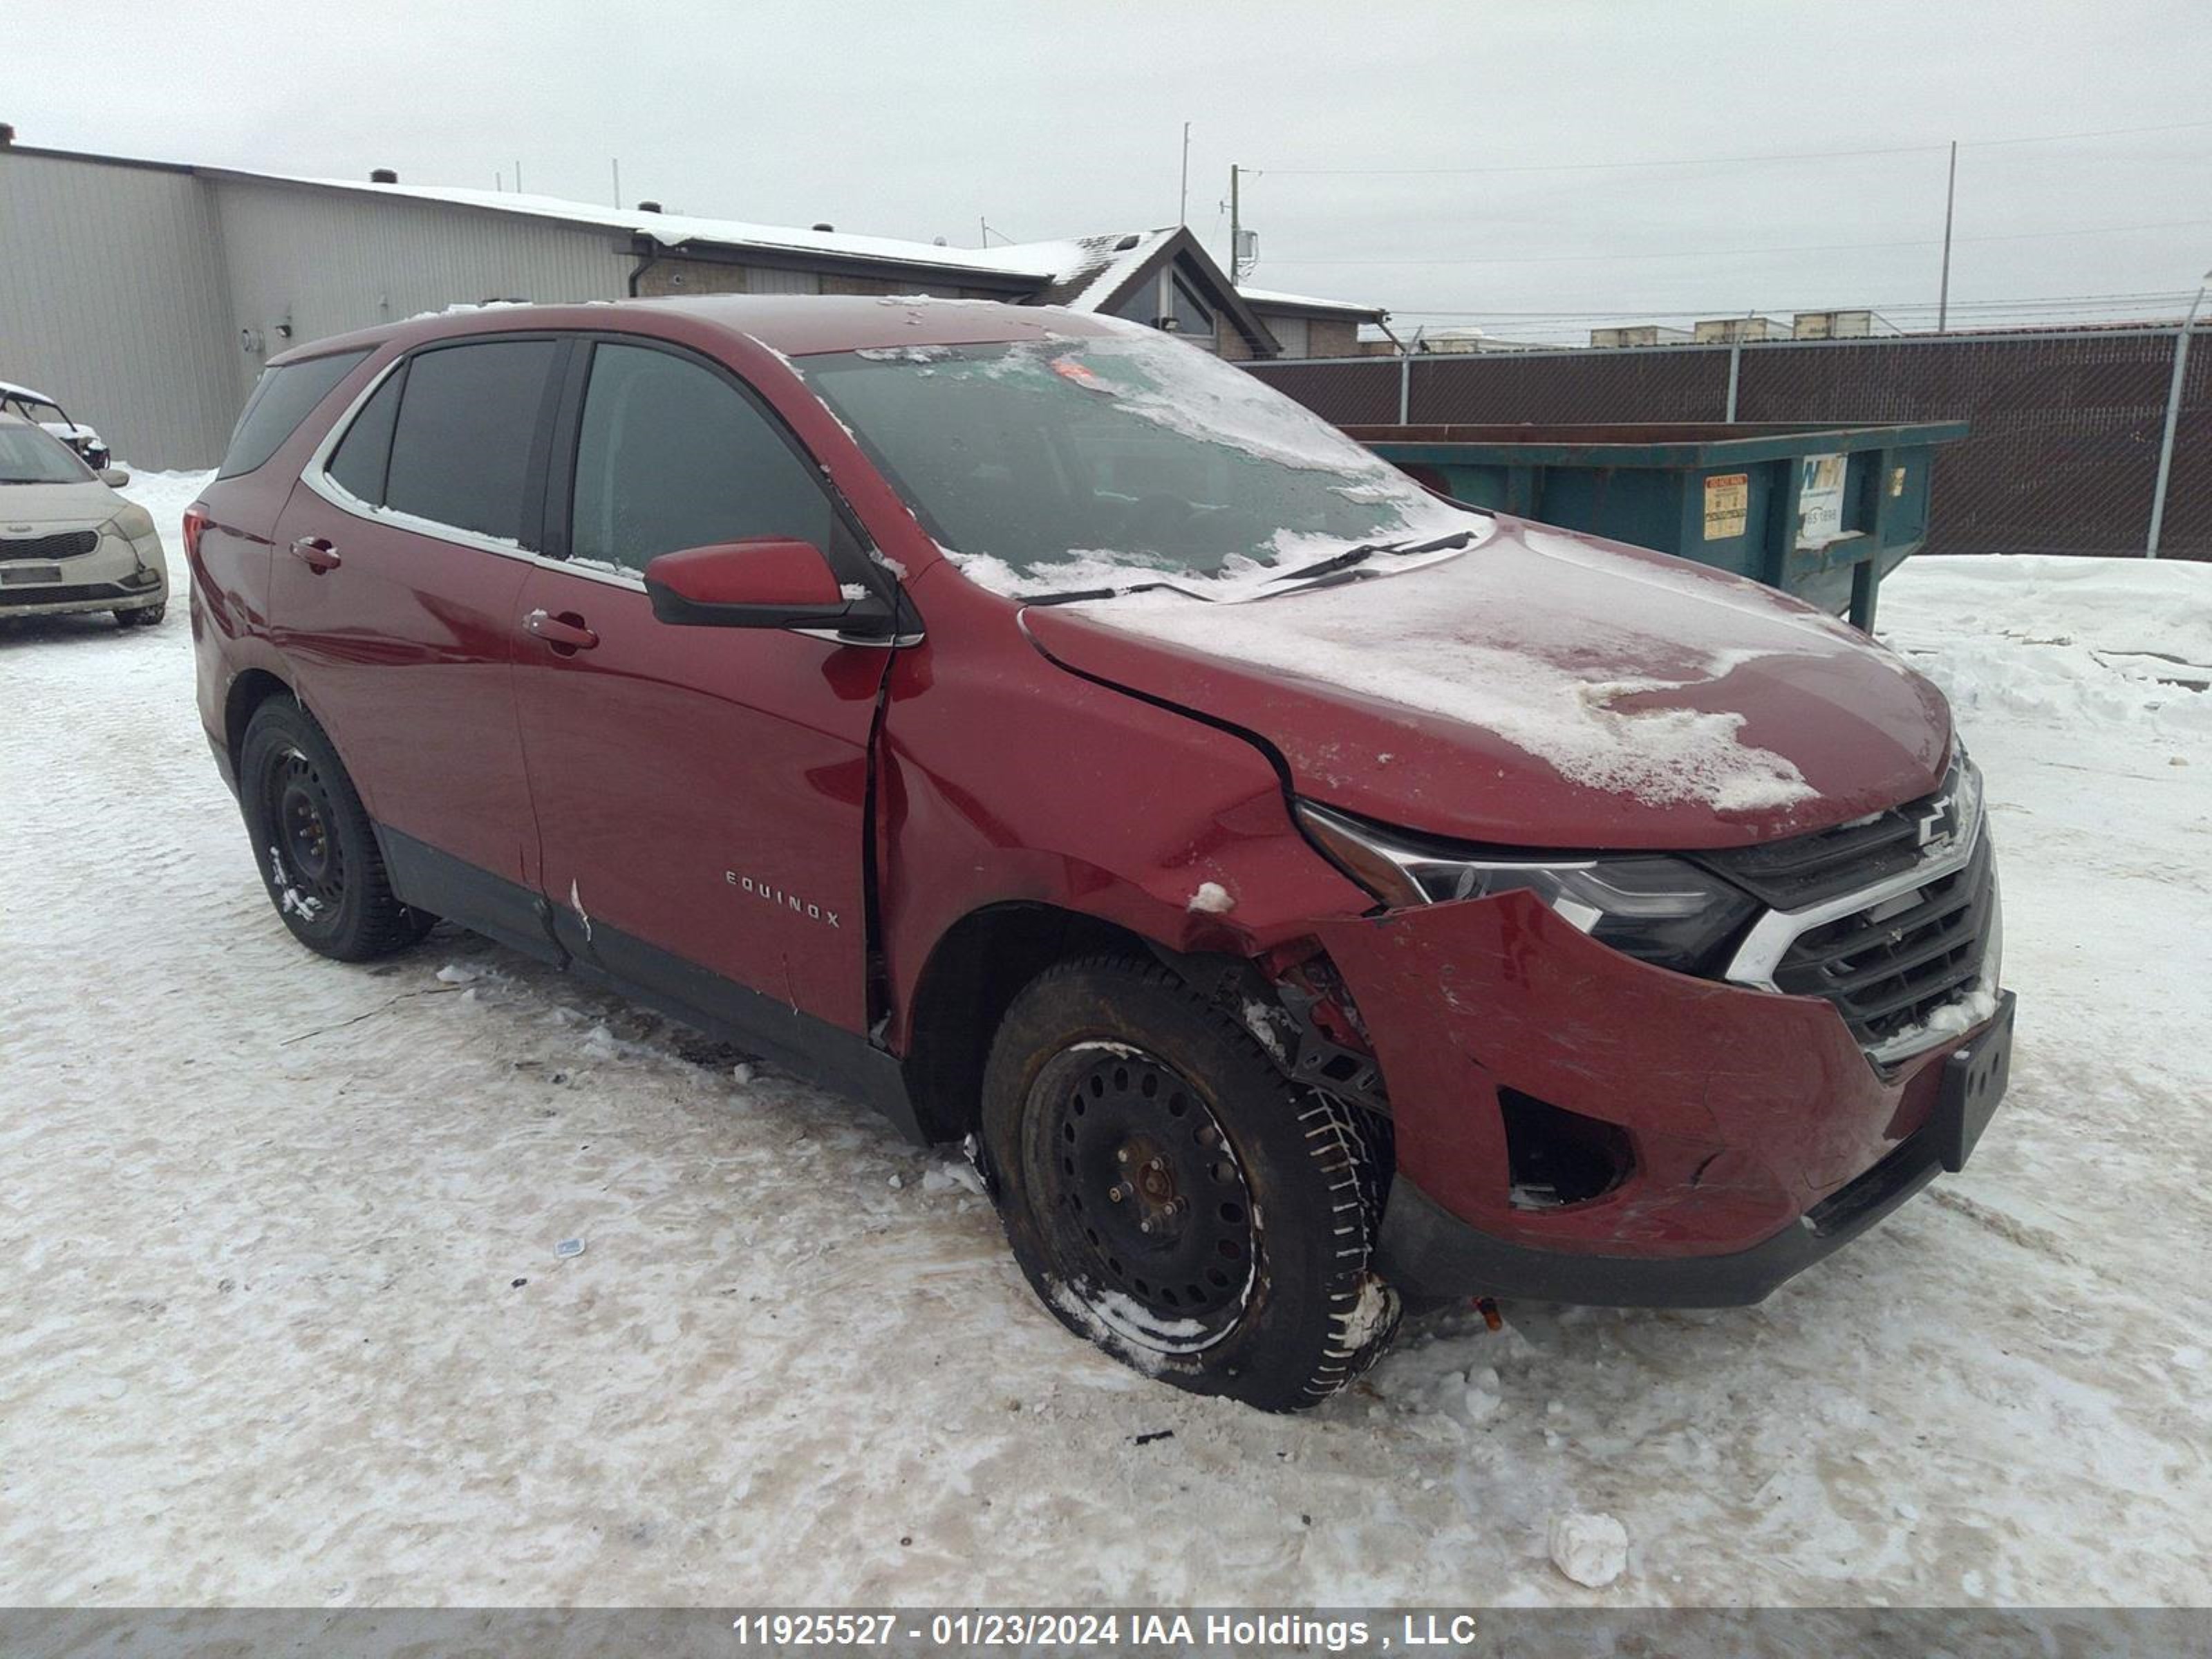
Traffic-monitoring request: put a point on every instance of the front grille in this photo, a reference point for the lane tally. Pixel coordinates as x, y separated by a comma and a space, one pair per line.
1808, 870
85, 591
1890, 966
66, 545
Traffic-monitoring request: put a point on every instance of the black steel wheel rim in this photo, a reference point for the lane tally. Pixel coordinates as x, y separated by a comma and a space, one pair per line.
1152, 1202
306, 862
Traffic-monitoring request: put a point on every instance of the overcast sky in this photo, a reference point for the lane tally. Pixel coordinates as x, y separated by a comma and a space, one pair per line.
1050, 119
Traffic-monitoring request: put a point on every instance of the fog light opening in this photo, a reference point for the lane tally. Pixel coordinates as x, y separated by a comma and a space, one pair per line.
1555, 1157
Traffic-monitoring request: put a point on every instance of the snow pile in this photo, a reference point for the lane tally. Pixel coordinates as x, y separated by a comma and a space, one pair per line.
1590, 1549
2079, 640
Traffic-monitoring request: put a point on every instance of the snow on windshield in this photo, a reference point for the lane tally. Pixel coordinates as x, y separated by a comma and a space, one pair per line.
1565, 650
1069, 465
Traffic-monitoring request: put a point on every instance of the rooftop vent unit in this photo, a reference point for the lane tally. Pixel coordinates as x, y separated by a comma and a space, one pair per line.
384, 176
648, 207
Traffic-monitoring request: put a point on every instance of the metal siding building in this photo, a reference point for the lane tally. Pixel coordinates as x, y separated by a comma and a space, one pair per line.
146, 297
111, 299
322, 262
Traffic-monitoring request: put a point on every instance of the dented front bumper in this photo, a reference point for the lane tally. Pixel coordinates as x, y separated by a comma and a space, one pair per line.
1756, 1135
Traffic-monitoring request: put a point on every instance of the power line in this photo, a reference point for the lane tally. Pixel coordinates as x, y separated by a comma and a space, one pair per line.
1720, 161
1744, 252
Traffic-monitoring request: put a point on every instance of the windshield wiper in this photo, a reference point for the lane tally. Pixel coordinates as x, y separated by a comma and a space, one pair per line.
1337, 563
1079, 596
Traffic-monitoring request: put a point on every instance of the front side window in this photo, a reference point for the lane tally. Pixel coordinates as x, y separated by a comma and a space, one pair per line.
460, 444
282, 398
671, 455
1068, 465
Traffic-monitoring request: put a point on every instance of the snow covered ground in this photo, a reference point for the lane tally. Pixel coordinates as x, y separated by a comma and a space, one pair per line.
287, 1321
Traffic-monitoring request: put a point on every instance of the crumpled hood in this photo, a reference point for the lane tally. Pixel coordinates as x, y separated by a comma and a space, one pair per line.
1545, 689
64, 506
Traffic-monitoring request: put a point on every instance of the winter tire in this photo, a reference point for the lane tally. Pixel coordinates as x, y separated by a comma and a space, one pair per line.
146, 615
313, 842
1173, 1198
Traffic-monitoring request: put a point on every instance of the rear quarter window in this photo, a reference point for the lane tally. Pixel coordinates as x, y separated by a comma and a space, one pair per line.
283, 397
363, 454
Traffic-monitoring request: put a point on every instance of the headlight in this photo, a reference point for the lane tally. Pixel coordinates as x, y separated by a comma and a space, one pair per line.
134, 523
1656, 909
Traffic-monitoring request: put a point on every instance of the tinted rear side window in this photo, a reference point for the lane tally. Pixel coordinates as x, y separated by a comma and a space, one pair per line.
357, 467
282, 399
468, 417
673, 456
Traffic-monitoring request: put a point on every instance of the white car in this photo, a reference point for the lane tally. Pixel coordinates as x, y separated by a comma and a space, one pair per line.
68, 542
42, 411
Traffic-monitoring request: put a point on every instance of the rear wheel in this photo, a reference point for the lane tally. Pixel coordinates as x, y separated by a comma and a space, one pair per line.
313, 842
1174, 1199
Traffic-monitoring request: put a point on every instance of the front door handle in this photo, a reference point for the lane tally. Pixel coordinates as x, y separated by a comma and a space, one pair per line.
316, 554
564, 634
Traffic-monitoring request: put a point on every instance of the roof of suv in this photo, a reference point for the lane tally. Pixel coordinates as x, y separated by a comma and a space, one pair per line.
795, 324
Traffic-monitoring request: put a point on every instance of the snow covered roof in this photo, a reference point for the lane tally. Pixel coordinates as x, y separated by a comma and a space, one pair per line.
1084, 273
1089, 272
1265, 300
674, 229
9, 389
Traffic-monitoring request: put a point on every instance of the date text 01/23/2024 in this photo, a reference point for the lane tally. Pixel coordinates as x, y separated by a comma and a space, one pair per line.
1261, 1631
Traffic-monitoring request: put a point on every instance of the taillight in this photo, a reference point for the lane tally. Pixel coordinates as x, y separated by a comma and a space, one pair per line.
195, 520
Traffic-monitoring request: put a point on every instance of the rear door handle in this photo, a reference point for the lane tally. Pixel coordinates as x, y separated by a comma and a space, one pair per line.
564, 634
316, 554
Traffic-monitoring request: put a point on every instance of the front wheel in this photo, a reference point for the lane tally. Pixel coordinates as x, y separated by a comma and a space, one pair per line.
1176, 1201
146, 615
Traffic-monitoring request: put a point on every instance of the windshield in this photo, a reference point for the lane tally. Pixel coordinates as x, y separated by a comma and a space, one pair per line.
1060, 465
28, 456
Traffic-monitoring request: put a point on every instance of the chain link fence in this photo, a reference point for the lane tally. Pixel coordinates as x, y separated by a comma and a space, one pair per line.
2066, 425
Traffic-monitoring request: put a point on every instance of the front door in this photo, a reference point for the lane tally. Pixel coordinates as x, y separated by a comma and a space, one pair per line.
400, 630
702, 793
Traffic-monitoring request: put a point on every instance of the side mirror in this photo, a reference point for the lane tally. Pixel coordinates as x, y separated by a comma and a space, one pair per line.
763, 581
115, 476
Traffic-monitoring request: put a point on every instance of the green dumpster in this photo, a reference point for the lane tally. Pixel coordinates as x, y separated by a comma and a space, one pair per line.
1822, 512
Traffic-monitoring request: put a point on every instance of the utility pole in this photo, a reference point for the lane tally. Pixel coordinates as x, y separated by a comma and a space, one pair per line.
615, 161
1950, 199
2172, 419
518, 178
1182, 202
1236, 229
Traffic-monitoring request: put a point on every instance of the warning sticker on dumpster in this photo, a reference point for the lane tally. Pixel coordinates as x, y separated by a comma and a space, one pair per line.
1728, 505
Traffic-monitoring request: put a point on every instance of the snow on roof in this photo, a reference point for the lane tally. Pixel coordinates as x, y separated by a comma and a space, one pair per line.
1262, 299
671, 230
1089, 270
1080, 272
9, 389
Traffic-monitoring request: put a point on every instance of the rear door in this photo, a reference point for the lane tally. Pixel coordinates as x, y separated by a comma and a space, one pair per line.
400, 570
702, 793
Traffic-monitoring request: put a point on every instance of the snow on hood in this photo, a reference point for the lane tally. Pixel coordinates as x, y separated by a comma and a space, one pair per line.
90, 503
1545, 689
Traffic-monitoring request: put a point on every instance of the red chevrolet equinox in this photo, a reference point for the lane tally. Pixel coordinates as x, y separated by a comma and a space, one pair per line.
1305, 896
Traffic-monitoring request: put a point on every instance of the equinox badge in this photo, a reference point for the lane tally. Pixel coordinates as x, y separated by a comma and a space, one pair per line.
777, 896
